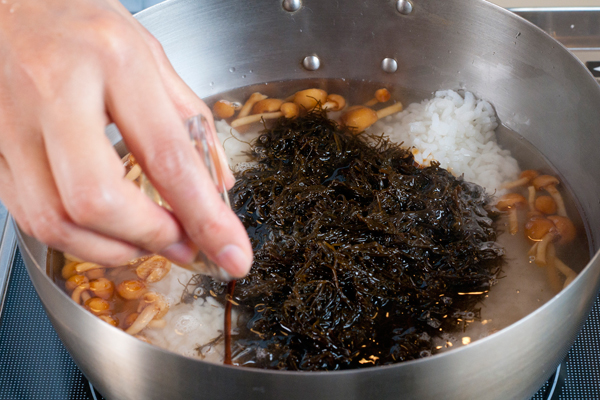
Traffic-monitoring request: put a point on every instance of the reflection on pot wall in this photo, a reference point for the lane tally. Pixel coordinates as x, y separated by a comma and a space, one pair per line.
547, 3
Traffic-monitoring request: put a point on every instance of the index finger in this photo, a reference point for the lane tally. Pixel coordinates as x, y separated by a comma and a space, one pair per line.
157, 137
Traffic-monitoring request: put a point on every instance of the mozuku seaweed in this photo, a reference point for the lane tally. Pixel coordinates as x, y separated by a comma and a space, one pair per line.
362, 257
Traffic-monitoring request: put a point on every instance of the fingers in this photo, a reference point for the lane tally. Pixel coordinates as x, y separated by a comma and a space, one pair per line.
36, 205
89, 177
157, 137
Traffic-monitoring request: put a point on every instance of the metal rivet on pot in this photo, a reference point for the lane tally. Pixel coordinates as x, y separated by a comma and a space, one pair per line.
292, 5
311, 63
389, 65
404, 7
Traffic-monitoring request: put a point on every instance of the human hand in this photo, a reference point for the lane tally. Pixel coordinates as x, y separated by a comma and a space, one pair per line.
68, 68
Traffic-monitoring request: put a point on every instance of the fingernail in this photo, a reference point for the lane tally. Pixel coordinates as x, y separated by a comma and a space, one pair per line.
233, 260
179, 252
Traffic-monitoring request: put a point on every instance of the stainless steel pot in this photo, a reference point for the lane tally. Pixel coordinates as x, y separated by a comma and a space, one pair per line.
538, 89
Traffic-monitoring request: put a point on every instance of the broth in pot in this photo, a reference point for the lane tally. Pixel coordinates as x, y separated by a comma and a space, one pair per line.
172, 308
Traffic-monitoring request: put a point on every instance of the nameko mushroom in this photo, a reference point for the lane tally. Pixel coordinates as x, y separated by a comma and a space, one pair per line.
153, 306
77, 285
224, 109
524, 178
153, 269
102, 288
548, 182
381, 96
511, 202
360, 117
131, 289
562, 232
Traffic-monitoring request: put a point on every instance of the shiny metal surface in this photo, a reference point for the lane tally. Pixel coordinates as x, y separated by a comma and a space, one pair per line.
292, 5
311, 63
539, 90
404, 7
389, 65
576, 28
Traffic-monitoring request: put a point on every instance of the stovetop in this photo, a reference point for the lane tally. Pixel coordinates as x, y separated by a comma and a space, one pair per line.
35, 365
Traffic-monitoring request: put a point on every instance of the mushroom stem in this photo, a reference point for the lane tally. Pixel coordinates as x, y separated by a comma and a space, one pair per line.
87, 266
143, 320
247, 107
514, 184
330, 105
513, 221
542, 249
533, 250
85, 296
157, 324
371, 102
560, 204
134, 173
553, 277
71, 257
531, 198
78, 291
524, 178
561, 266
381, 96
255, 118
393, 109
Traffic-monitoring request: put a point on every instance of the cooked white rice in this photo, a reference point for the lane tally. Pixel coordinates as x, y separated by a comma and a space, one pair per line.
456, 131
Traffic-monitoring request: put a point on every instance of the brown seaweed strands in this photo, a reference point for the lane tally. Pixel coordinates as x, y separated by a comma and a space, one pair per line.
360, 254
227, 329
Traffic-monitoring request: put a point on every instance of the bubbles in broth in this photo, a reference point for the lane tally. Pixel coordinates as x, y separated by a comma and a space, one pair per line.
193, 325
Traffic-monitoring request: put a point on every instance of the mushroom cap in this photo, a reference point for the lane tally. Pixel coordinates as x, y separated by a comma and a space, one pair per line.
289, 110
564, 227
267, 106
382, 95
98, 306
529, 174
359, 118
510, 200
153, 269
95, 273
542, 181
545, 204
87, 266
75, 280
131, 289
338, 100
309, 98
153, 299
224, 109
537, 227
69, 269
102, 288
